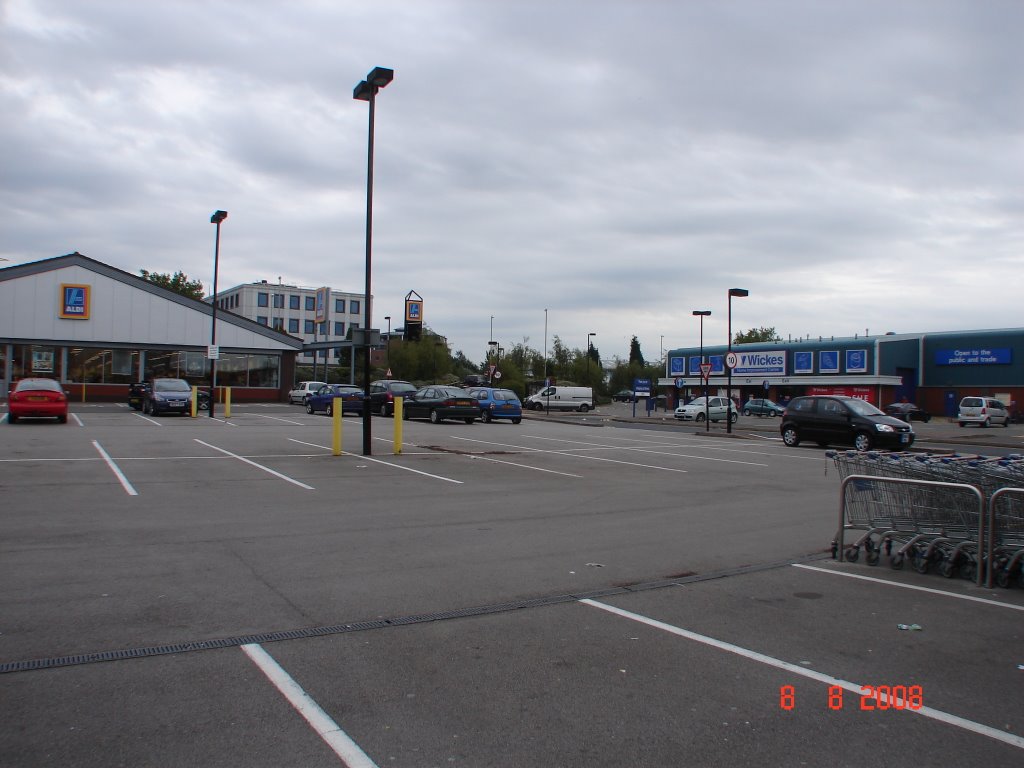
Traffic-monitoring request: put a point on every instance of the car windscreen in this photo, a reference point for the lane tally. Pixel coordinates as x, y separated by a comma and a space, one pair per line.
37, 384
171, 385
863, 408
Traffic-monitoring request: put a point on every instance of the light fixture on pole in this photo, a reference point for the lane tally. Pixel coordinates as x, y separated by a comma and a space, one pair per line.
216, 218
366, 90
387, 354
589, 352
739, 293
702, 313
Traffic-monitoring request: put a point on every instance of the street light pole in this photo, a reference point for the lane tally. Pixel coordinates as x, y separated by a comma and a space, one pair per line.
702, 313
366, 90
387, 354
216, 218
738, 293
589, 348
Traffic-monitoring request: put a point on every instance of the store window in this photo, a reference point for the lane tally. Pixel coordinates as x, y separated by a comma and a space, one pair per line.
308, 326
232, 370
339, 306
263, 370
278, 301
35, 360
310, 304
93, 365
261, 319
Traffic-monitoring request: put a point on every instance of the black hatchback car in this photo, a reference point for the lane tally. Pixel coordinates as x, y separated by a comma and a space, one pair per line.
838, 420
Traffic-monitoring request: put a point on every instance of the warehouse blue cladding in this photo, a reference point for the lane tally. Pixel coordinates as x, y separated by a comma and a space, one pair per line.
993, 359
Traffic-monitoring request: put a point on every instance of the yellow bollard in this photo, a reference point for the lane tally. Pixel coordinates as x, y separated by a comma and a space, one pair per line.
227, 402
336, 416
398, 425
195, 401
83, 391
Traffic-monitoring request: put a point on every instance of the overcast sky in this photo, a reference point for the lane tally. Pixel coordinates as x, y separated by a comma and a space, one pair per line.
855, 165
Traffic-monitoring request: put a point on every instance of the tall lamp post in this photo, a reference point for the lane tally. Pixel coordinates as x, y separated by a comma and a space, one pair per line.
387, 353
366, 90
738, 293
589, 350
217, 218
702, 313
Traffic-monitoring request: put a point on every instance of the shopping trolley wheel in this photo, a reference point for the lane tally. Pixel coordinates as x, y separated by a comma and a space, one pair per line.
969, 570
871, 557
1003, 578
921, 563
853, 554
946, 568
896, 562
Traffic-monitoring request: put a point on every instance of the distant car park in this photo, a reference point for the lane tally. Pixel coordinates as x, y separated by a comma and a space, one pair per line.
324, 399
37, 398
497, 403
438, 403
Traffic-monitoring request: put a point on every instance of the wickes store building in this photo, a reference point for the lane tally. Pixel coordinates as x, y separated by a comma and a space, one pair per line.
934, 370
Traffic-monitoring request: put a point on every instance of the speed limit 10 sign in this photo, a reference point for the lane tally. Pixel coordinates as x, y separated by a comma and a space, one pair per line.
731, 359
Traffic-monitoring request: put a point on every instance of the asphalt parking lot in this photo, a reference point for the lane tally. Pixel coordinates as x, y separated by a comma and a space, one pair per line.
567, 591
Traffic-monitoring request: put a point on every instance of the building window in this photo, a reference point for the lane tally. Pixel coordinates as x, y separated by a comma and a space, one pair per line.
262, 300
278, 323
308, 327
278, 301
323, 329
234, 301
339, 306
310, 304
261, 319
293, 302
339, 328
293, 325
353, 307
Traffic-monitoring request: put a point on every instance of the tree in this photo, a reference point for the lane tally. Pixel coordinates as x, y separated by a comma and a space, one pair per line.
635, 355
178, 282
756, 334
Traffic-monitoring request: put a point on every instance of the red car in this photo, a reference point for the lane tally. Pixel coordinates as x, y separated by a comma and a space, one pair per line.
37, 397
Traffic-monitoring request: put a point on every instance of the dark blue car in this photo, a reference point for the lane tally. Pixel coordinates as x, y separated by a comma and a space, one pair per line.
497, 403
324, 398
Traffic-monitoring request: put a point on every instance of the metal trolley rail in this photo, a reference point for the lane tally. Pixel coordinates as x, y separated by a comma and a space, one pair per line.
958, 514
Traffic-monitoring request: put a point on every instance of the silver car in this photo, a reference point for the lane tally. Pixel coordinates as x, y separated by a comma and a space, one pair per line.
985, 411
303, 390
715, 409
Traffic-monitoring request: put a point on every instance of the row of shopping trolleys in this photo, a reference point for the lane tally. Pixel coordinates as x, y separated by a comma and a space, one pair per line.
959, 515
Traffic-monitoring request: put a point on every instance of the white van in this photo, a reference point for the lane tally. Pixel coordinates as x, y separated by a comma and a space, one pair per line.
562, 399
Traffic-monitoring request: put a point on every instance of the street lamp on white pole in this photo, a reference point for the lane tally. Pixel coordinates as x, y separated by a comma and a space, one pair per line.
216, 218
738, 293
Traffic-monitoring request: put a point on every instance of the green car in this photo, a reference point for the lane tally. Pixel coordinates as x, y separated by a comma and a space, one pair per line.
762, 407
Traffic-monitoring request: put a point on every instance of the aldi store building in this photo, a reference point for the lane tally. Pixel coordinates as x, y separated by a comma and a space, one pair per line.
97, 329
934, 370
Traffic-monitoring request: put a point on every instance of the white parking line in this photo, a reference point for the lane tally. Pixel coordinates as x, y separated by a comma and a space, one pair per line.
929, 590
385, 463
643, 450
278, 418
524, 466
344, 747
933, 714
115, 469
146, 418
268, 470
75, 417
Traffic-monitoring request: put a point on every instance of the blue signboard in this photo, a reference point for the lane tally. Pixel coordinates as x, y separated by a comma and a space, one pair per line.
828, 362
677, 366
74, 302
974, 356
642, 387
803, 362
770, 363
717, 364
856, 361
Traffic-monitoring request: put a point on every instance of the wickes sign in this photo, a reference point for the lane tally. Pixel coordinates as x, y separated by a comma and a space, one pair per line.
771, 363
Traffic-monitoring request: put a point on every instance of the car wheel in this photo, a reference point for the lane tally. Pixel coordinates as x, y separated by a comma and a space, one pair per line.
1006, 422
862, 441
146, 407
485, 417
699, 418
746, 411
963, 423
734, 417
62, 419
330, 409
986, 423
516, 420
435, 417
11, 418
405, 414
309, 407
387, 409
584, 407
791, 437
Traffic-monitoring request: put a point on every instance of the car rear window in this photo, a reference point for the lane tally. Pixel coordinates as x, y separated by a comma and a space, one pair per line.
972, 402
504, 394
37, 384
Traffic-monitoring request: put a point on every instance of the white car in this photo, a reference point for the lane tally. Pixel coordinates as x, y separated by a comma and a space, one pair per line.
303, 390
984, 411
716, 409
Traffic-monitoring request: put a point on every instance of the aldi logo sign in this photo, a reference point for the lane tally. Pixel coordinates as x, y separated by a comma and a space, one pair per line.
74, 301
771, 363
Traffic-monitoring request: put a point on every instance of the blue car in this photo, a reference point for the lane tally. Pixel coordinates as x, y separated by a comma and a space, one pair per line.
323, 399
498, 403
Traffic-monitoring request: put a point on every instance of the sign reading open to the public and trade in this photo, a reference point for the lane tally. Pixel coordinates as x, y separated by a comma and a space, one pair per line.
974, 356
